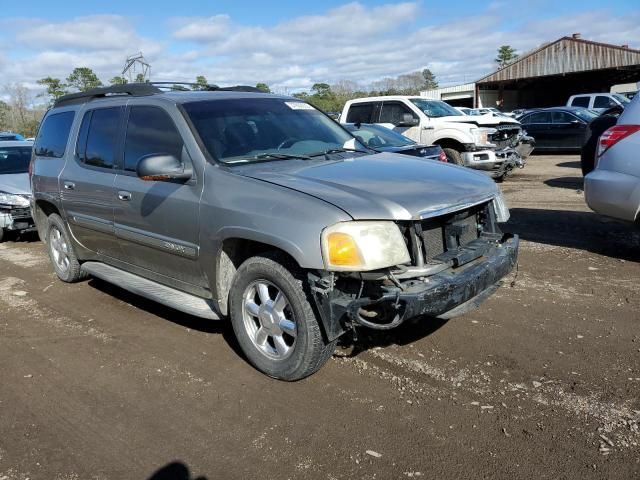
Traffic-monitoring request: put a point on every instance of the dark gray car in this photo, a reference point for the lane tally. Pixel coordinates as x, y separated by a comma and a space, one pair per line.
259, 208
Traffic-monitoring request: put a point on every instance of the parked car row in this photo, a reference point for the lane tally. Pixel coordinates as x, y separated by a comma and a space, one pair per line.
493, 145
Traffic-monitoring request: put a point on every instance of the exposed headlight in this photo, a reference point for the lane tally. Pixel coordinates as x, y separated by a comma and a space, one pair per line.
481, 135
363, 246
501, 209
13, 200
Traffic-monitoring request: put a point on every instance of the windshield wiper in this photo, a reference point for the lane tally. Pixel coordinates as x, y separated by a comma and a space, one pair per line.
270, 156
337, 150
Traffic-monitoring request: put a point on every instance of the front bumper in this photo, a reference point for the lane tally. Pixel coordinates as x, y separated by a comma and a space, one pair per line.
17, 219
496, 164
446, 294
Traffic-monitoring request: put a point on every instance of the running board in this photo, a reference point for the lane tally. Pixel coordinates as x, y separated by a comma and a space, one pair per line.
157, 292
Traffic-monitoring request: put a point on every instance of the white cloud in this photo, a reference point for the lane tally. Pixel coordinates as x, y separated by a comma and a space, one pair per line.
352, 42
199, 29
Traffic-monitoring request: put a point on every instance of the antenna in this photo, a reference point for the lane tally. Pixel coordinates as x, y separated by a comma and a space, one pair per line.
134, 66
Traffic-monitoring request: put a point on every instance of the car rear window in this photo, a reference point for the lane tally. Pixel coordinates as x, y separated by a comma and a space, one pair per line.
14, 159
54, 134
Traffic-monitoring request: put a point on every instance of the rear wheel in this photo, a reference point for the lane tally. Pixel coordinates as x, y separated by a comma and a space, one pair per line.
274, 321
64, 260
453, 156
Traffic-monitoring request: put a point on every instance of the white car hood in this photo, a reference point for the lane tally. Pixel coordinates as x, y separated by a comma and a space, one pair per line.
487, 120
17, 183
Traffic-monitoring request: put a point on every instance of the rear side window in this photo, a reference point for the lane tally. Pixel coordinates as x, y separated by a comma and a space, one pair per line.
580, 102
360, 113
54, 134
97, 138
394, 113
540, 117
150, 130
603, 102
562, 117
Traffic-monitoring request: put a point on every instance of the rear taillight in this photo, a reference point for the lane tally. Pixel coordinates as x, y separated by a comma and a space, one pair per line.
442, 157
613, 135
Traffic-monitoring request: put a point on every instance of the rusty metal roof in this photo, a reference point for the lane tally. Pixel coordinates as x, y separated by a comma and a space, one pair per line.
566, 55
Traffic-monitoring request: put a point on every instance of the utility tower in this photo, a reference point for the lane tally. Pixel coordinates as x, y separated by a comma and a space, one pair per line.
136, 68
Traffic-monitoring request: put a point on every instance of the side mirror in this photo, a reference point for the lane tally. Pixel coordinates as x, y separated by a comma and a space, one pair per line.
162, 167
408, 120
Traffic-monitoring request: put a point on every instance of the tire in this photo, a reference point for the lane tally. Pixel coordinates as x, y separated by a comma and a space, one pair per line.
588, 156
64, 259
2, 235
453, 156
280, 335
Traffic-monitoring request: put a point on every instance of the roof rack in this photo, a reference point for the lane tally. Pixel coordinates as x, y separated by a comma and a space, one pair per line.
143, 90
133, 89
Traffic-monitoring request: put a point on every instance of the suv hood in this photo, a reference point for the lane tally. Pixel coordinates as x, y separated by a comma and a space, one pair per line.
17, 183
486, 120
383, 186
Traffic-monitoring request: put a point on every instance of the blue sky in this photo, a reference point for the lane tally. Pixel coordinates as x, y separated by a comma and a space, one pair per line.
293, 44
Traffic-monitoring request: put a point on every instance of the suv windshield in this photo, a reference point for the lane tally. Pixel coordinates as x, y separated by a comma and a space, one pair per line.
621, 98
239, 130
14, 159
375, 136
435, 108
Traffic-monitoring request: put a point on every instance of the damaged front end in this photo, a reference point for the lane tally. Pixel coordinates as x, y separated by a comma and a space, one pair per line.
457, 260
513, 147
15, 213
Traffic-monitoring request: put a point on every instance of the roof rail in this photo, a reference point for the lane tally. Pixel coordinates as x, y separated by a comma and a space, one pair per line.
133, 89
143, 90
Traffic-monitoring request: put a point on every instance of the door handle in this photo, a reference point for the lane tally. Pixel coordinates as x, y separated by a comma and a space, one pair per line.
69, 186
124, 196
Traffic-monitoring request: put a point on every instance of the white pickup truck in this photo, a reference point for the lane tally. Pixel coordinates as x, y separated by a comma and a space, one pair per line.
495, 145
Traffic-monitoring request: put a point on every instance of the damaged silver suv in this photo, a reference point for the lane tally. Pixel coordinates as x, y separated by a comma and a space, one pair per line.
258, 208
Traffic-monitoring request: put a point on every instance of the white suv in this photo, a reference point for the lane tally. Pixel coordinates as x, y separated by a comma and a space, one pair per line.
598, 101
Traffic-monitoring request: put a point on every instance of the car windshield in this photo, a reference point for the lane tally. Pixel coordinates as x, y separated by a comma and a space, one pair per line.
376, 136
621, 98
241, 130
435, 108
585, 114
14, 159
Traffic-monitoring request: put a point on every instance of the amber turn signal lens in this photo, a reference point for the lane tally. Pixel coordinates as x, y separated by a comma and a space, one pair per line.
343, 250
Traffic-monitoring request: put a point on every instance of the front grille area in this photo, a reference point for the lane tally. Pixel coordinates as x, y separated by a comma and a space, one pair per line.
430, 238
506, 136
21, 212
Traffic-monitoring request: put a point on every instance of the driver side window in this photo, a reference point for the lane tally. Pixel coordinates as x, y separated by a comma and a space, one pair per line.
393, 112
150, 130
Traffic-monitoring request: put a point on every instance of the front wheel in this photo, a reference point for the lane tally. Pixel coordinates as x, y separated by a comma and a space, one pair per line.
274, 321
453, 156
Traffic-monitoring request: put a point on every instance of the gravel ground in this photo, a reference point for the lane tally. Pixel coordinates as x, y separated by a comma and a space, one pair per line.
543, 381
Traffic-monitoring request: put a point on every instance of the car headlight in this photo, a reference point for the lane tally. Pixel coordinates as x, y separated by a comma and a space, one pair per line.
481, 135
13, 200
363, 246
501, 209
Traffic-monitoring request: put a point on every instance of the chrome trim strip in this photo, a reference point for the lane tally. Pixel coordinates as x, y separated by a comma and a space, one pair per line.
159, 242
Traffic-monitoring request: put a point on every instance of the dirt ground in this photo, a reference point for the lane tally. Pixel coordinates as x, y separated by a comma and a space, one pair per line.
543, 381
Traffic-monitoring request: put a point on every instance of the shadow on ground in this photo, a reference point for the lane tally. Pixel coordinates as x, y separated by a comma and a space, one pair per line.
174, 471
572, 183
570, 164
220, 327
580, 230
407, 333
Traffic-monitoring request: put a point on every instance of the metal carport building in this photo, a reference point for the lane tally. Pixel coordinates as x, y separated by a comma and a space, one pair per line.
549, 75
